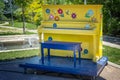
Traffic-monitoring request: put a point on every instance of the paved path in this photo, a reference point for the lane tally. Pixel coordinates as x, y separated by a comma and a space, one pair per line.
111, 73
21, 41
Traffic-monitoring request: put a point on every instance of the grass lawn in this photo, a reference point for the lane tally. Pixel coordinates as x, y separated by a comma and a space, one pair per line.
113, 54
6, 31
28, 25
18, 54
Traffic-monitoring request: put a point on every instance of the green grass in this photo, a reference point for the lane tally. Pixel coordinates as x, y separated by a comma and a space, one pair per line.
6, 31
28, 25
18, 54
113, 54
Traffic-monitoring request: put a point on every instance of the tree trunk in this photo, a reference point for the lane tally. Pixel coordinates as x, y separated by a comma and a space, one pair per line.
23, 17
11, 7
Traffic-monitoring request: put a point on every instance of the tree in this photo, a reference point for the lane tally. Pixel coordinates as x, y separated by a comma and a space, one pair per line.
55, 1
34, 12
23, 4
8, 10
111, 11
2, 6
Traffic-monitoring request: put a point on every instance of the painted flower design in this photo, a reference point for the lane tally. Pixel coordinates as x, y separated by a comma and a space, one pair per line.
60, 11
89, 13
54, 25
56, 18
50, 38
85, 51
47, 10
67, 12
73, 15
87, 26
51, 16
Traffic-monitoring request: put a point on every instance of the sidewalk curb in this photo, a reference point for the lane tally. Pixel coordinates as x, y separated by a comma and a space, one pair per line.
111, 44
114, 65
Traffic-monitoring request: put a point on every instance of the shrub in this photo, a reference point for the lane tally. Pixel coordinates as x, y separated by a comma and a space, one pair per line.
114, 27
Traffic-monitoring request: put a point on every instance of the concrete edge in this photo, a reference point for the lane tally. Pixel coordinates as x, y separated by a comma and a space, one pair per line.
114, 65
111, 44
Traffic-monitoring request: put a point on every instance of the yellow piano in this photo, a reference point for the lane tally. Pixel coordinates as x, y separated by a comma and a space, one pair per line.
73, 23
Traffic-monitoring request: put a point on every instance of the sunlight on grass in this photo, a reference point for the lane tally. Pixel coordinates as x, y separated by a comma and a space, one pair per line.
28, 25
113, 54
18, 54
6, 31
